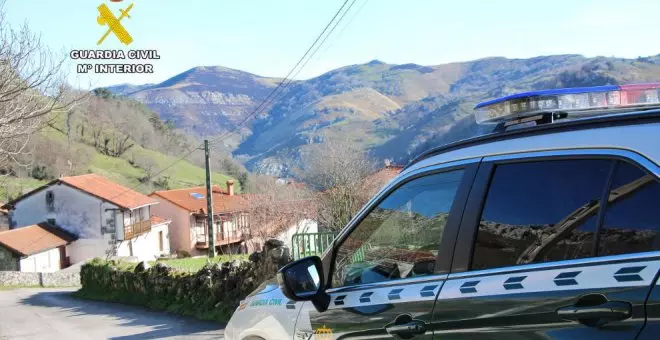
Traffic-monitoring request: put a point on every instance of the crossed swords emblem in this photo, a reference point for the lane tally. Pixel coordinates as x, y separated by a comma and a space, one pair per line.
114, 25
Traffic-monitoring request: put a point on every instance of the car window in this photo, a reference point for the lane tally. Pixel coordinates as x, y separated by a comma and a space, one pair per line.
401, 236
539, 212
632, 219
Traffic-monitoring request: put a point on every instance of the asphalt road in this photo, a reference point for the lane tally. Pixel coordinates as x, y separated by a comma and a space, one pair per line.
54, 314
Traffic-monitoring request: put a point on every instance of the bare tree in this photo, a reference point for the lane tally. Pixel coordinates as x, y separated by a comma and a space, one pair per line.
32, 87
148, 164
274, 209
339, 172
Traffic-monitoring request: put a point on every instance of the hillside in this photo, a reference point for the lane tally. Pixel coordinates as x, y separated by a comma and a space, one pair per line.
88, 139
392, 110
203, 100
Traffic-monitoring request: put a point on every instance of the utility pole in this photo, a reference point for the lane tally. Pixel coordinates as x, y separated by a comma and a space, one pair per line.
209, 201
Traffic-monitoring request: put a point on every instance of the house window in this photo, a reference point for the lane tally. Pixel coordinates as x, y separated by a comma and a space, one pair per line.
160, 240
50, 201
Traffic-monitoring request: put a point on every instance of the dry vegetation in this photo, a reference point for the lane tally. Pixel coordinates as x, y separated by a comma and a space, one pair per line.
274, 208
340, 173
32, 90
48, 130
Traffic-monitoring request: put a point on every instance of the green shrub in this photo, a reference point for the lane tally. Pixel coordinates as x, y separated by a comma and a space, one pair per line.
212, 293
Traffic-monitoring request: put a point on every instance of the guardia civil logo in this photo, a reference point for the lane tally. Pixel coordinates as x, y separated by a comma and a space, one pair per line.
113, 23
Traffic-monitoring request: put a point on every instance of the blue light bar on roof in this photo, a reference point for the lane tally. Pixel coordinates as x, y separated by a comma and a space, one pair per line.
577, 99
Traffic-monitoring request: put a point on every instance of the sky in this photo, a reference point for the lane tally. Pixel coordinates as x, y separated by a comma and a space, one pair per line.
267, 37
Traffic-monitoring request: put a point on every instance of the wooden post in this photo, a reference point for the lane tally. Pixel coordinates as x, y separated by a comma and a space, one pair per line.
209, 201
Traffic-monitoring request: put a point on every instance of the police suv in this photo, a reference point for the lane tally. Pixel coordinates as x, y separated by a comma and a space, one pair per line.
547, 228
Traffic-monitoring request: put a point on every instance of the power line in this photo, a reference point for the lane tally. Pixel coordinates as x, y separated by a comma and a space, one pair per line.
188, 153
282, 85
318, 46
341, 31
326, 37
288, 79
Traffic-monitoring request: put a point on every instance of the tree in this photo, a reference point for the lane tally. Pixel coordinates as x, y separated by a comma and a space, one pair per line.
32, 88
148, 164
274, 209
338, 171
102, 92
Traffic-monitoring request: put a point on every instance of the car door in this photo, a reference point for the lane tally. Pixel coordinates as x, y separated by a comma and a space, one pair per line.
538, 257
389, 264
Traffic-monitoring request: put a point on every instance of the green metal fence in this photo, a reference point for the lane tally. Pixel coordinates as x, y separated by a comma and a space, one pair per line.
308, 244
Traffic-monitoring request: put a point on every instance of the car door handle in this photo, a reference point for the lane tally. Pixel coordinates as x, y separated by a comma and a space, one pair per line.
598, 314
414, 327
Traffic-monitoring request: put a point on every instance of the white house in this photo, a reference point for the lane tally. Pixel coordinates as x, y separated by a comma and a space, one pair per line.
36, 248
306, 226
107, 218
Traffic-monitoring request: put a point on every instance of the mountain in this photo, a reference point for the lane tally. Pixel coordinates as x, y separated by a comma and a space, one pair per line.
126, 89
206, 100
392, 110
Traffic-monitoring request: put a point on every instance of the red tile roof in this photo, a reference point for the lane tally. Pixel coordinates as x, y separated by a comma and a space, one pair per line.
108, 190
155, 220
194, 199
34, 239
100, 187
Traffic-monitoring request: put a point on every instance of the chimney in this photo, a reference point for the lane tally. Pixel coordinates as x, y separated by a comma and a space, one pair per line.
387, 163
230, 187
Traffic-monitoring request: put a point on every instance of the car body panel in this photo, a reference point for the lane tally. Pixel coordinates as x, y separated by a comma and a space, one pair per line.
641, 139
521, 302
517, 302
652, 328
269, 315
365, 311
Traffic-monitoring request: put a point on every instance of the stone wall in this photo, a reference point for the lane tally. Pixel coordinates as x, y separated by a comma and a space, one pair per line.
56, 279
8, 261
60, 279
213, 292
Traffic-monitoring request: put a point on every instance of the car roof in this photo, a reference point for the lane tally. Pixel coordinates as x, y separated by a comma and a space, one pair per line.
637, 131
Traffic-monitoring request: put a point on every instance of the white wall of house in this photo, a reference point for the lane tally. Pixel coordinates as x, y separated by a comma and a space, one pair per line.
179, 229
88, 248
303, 226
147, 246
73, 210
83, 215
46, 261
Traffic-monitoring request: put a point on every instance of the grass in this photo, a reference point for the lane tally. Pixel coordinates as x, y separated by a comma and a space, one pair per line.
180, 175
118, 169
194, 264
14, 187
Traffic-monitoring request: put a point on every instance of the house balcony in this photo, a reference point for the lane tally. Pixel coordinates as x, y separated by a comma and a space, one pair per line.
224, 239
139, 228
201, 241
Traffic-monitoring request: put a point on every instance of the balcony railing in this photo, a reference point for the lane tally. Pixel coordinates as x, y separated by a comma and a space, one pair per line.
133, 230
225, 239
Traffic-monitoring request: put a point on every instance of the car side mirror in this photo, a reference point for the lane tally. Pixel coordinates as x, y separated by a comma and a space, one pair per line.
303, 280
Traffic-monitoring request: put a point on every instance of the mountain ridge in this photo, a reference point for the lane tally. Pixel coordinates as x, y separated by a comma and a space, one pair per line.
391, 110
